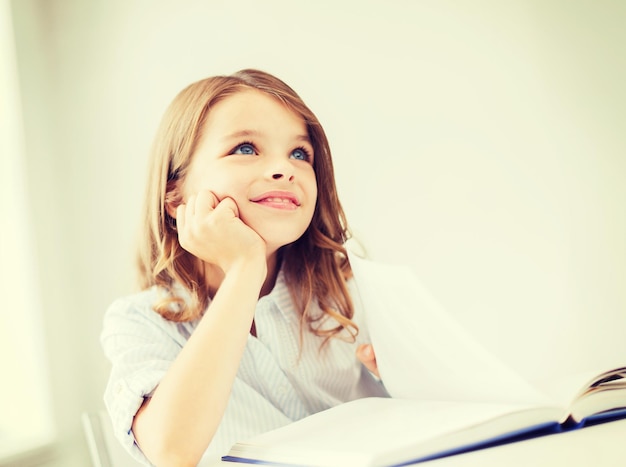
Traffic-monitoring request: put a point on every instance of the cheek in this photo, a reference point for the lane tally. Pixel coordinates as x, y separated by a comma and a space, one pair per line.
313, 190
314, 198
233, 187
221, 184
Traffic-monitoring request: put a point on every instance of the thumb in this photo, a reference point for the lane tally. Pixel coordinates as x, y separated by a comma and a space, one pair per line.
365, 353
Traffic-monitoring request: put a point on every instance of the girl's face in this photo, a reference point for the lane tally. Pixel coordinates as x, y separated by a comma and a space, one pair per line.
256, 151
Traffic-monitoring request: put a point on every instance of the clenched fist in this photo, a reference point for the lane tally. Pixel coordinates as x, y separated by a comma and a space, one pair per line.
211, 230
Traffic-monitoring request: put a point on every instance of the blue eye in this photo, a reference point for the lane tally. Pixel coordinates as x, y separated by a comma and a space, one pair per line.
300, 154
244, 149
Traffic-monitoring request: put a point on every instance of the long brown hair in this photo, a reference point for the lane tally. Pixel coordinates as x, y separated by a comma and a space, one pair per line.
315, 266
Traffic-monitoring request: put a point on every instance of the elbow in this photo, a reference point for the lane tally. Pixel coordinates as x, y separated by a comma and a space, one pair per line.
166, 443
173, 461
169, 456
171, 451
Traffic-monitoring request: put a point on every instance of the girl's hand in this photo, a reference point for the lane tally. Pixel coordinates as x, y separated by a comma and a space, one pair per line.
211, 230
365, 353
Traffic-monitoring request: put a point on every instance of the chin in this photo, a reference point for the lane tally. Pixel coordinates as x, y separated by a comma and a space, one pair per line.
274, 242
278, 234
274, 245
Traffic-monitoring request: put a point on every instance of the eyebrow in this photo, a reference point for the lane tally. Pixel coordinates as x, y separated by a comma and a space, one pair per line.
250, 133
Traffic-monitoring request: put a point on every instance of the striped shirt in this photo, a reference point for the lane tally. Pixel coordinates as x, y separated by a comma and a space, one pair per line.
275, 383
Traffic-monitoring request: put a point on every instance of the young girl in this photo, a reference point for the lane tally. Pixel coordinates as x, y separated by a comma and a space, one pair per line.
246, 320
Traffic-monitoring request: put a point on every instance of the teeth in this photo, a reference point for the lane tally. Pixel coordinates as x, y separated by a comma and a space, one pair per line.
278, 200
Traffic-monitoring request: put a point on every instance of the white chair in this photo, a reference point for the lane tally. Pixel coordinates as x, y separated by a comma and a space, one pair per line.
104, 449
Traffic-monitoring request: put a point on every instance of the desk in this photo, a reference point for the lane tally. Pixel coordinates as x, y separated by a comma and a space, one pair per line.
595, 446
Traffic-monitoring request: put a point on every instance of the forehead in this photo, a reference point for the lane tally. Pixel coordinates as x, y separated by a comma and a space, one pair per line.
255, 110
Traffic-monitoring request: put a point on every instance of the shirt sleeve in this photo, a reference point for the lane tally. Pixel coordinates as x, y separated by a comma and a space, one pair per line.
141, 345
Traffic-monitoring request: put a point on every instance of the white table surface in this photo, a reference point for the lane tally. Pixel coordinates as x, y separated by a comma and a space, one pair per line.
594, 446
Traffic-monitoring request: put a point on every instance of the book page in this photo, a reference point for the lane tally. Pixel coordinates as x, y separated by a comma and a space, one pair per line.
421, 351
588, 392
384, 431
567, 388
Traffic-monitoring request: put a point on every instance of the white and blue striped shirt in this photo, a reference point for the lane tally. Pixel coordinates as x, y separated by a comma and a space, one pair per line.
275, 383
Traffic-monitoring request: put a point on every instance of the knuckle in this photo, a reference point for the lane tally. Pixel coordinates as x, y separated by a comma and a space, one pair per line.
183, 239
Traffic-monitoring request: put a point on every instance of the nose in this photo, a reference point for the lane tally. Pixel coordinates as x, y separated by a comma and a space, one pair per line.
279, 175
280, 169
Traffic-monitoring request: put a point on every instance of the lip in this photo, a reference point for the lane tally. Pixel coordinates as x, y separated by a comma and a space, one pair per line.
277, 198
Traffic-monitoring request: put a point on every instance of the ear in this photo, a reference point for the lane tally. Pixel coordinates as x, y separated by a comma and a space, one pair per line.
173, 199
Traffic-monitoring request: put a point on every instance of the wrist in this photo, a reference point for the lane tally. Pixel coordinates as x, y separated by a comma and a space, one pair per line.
252, 268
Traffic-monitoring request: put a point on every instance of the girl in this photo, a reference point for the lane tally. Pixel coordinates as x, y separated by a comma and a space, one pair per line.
246, 320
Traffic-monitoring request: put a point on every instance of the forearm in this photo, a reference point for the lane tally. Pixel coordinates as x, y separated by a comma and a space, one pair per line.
178, 423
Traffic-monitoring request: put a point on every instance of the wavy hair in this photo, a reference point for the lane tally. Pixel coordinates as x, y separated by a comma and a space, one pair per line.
315, 266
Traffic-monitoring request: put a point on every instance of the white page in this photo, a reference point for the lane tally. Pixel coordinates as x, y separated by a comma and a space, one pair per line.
356, 432
421, 351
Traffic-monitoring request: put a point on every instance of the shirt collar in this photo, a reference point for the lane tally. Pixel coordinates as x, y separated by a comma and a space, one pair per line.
281, 297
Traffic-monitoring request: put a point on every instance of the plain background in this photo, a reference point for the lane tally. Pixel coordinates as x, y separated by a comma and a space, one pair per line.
480, 142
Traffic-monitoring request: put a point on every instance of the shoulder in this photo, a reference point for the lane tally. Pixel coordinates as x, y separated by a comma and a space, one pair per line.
135, 307
135, 315
137, 301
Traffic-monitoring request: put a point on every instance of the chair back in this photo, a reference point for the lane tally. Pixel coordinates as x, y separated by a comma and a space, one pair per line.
104, 449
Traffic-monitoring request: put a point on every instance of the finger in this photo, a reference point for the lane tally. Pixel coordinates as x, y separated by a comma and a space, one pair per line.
365, 353
180, 216
228, 204
182, 227
206, 201
190, 207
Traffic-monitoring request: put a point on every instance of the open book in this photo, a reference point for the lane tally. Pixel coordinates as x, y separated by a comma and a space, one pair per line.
448, 393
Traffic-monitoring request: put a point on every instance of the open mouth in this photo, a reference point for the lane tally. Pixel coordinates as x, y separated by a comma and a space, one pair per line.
278, 200
278, 203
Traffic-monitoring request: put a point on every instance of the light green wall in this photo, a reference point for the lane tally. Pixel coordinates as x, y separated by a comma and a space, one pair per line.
481, 142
